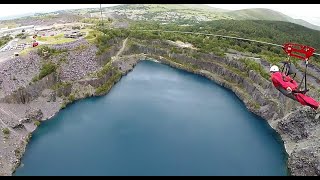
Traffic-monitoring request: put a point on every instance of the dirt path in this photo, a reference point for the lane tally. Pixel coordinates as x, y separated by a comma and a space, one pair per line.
114, 58
11, 114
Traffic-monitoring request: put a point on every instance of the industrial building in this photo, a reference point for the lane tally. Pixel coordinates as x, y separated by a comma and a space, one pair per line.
16, 30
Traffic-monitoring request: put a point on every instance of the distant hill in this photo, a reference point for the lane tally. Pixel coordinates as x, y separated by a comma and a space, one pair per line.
167, 6
194, 6
170, 12
258, 14
306, 24
187, 11
182, 12
16, 16
267, 14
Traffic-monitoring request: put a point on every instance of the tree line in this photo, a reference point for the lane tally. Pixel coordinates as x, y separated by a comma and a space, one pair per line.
276, 32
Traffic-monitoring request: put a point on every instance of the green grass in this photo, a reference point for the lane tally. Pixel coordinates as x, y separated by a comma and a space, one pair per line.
92, 35
64, 105
46, 69
161, 7
58, 39
252, 65
108, 85
37, 123
106, 68
86, 30
50, 51
71, 98
26, 51
29, 137
4, 40
6, 131
67, 100
29, 41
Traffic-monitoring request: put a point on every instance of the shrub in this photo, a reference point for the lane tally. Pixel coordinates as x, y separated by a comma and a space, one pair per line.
6, 131
46, 69
37, 123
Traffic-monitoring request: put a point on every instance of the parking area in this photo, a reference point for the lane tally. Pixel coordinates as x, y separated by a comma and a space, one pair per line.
16, 45
55, 34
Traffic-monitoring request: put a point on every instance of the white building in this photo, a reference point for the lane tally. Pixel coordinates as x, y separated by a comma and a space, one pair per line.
42, 28
16, 30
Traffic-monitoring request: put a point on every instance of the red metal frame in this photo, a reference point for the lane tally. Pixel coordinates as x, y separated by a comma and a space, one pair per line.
291, 48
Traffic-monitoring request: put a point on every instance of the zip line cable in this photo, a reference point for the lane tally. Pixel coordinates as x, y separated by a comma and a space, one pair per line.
216, 35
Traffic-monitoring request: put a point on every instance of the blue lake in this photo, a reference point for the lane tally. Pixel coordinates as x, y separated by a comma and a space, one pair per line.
157, 120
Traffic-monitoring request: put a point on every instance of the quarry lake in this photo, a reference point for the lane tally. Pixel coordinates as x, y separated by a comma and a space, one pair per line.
157, 120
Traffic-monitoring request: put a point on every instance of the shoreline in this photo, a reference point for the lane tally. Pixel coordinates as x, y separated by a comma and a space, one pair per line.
278, 136
220, 74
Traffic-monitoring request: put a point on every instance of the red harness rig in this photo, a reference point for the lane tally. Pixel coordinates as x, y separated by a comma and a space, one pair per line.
302, 52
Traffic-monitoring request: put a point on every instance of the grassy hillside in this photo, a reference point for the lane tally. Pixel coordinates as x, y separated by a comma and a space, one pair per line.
271, 31
277, 32
207, 13
204, 7
267, 14
4, 40
306, 24
185, 11
258, 14
160, 7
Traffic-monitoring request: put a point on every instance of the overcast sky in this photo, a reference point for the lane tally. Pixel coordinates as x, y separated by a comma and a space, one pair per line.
307, 12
